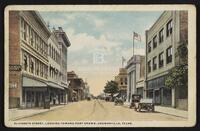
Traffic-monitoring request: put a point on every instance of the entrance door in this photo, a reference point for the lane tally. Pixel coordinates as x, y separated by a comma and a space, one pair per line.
157, 97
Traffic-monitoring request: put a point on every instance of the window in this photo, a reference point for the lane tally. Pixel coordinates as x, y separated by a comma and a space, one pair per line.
37, 67
25, 63
50, 50
31, 65
155, 63
149, 66
169, 28
125, 81
149, 47
41, 69
161, 61
169, 54
161, 36
36, 42
155, 42
23, 30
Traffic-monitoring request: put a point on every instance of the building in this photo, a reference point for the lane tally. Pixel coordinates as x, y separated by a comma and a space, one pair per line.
57, 91
28, 59
76, 87
163, 39
140, 70
35, 62
63, 43
135, 76
121, 79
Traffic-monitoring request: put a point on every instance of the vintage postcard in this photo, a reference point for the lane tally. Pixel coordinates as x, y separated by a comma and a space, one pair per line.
100, 65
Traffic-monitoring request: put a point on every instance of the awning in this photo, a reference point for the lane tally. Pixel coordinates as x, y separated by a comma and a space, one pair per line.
51, 84
30, 82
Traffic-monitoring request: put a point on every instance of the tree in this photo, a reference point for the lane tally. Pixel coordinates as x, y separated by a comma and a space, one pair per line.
178, 76
111, 87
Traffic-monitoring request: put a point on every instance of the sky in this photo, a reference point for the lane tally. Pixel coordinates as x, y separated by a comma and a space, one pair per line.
99, 40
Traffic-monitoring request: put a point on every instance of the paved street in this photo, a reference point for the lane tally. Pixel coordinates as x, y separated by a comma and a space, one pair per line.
98, 110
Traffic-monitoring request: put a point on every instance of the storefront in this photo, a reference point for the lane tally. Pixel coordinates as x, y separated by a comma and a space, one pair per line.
34, 93
158, 92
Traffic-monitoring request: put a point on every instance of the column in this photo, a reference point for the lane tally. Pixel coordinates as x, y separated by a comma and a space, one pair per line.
127, 91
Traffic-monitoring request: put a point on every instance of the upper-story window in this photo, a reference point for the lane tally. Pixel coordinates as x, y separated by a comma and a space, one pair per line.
161, 36
155, 41
169, 54
169, 28
155, 63
25, 64
31, 65
49, 49
149, 47
149, 66
23, 30
37, 67
126, 81
161, 60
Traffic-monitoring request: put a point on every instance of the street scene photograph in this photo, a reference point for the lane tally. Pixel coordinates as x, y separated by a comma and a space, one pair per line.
97, 66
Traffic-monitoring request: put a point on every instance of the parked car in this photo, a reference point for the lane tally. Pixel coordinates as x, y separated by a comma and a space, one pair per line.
88, 98
135, 99
119, 101
145, 104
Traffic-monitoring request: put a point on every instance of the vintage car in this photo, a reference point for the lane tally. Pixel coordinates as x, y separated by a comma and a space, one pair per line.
145, 104
88, 98
119, 101
135, 99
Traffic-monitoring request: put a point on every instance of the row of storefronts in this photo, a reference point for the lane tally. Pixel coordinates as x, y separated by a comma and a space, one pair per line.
37, 62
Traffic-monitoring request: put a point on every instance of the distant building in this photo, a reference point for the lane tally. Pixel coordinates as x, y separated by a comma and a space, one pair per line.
121, 79
76, 87
135, 76
63, 44
163, 39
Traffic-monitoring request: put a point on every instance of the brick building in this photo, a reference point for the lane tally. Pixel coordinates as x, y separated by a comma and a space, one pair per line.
30, 63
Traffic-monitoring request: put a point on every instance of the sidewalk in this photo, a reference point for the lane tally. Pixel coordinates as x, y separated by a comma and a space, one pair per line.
172, 111
167, 110
15, 114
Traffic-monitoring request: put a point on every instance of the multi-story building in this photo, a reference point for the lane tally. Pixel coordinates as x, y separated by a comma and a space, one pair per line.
63, 44
28, 59
135, 76
121, 79
57, 91
162, 42
140, 70
35, 66
76, 87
